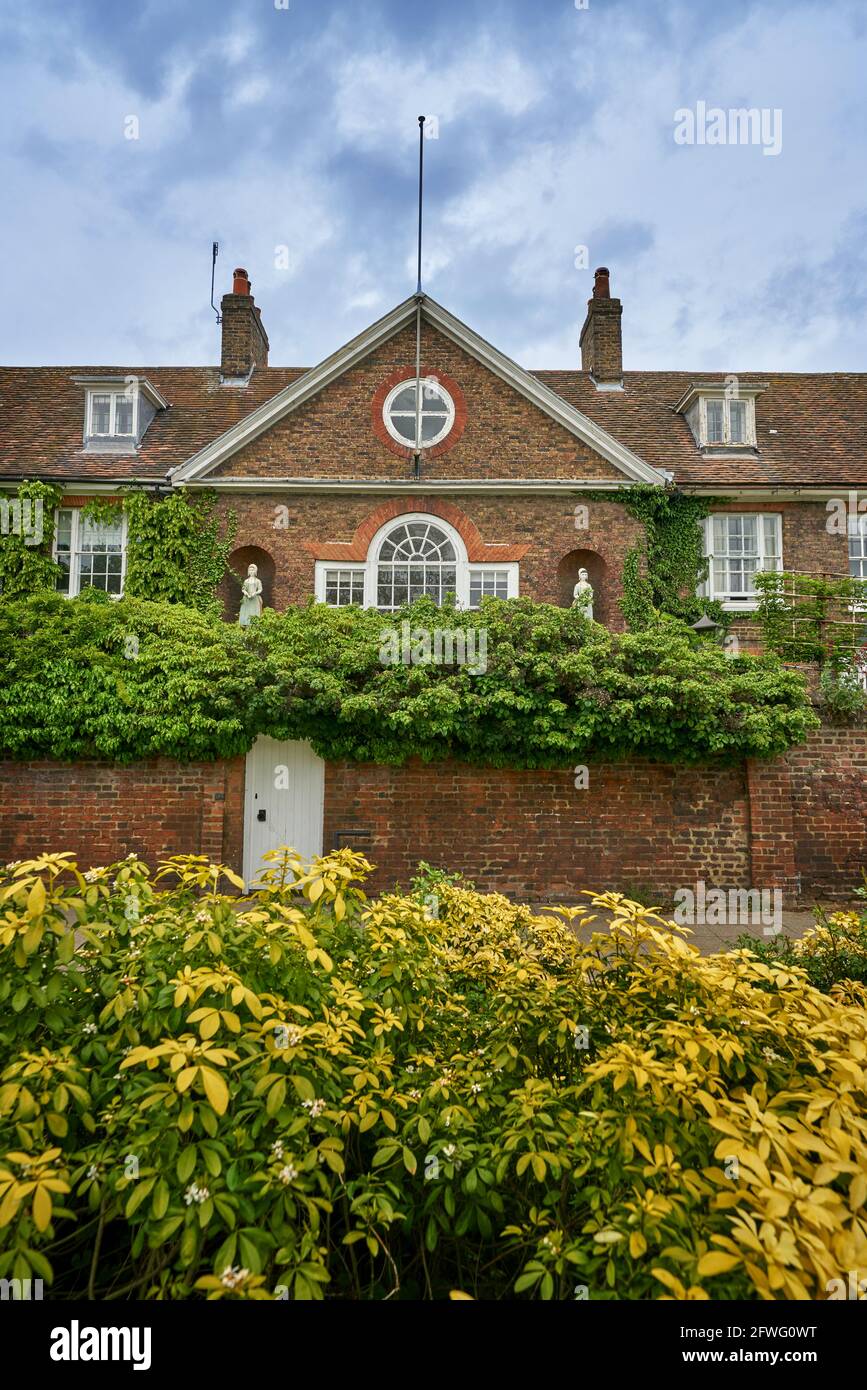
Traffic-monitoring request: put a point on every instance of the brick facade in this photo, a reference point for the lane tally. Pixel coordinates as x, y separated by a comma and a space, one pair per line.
316, 484
544, 527
332, 436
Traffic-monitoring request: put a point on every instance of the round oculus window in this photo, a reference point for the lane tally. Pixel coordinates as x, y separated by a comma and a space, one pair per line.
435, 418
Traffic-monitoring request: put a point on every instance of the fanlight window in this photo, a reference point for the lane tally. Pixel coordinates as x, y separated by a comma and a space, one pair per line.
415, 559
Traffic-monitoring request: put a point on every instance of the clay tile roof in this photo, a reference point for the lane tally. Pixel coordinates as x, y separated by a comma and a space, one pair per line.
42, 419
820, 422
820, 419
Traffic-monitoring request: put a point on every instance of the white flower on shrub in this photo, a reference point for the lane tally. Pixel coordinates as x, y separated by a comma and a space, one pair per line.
277, 1148
89, 1029
314, 1106
194, 1193
233, 1275
288, 1174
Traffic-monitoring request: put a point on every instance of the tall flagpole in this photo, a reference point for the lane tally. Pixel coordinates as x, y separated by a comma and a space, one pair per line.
417, 452
420, 190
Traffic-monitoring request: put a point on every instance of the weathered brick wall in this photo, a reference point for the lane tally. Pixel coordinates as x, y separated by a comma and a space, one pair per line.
798, 823
102, 813
534, 835
829, 799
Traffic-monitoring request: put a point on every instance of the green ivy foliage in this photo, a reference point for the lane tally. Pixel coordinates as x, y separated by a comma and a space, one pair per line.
132, 679
673, 553
177, 548
89, 677
24, 568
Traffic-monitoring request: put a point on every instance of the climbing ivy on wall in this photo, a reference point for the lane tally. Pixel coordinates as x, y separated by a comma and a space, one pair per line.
26, 535
672, 551
177, 547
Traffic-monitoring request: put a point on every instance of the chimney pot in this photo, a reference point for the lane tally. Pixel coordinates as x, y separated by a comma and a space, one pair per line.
241, 281
601, 284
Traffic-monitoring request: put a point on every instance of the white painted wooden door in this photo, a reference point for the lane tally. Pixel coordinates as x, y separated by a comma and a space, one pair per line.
283, 801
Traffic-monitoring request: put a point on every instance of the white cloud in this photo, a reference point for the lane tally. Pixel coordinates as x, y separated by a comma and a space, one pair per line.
249, 93
380, 94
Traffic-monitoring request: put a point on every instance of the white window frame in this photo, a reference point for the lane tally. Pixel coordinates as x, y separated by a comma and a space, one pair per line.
857, 531
749, 440
440, 391
75, 551
325, 567
463, 567
113, 392
708, 589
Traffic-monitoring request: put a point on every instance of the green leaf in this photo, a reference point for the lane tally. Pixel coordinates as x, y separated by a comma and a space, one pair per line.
186, 1164
137, 1196
276, 1097
160, 1202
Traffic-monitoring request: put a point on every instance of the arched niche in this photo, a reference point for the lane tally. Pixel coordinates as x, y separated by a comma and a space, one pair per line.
230, 588
567, 578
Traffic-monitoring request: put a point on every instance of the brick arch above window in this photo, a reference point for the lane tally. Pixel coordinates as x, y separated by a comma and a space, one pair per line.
356, 550
408, 374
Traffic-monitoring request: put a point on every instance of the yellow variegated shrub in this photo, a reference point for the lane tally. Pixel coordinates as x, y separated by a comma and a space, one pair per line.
297, 1092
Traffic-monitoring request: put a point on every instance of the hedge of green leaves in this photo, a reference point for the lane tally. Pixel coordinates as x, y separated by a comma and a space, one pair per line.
134, 679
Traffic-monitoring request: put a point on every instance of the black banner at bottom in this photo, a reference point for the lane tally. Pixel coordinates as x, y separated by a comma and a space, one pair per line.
63, 1341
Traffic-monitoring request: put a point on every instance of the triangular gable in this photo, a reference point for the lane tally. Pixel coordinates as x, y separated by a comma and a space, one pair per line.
314, 381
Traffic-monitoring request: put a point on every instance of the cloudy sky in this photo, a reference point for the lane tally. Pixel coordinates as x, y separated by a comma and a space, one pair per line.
272, 124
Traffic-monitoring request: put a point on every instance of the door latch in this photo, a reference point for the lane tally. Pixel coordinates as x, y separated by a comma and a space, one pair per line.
261, 814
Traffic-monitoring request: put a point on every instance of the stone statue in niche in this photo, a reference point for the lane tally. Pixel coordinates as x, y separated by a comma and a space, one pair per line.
582, 594
251, 600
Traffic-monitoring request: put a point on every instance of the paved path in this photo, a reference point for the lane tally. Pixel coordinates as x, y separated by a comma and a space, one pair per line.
710, 939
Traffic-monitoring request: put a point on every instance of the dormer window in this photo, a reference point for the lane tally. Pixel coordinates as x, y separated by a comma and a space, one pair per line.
722, 416
111, 414
117, 412
726, 421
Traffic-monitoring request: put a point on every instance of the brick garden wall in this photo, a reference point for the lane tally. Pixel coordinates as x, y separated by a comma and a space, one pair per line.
534, 835
798, 823
102, 813
829, 801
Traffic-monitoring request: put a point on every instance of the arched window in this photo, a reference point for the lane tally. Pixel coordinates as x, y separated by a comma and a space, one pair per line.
409, 557
416, 558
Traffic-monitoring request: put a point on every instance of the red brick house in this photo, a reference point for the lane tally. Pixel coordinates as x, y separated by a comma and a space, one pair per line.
334, 499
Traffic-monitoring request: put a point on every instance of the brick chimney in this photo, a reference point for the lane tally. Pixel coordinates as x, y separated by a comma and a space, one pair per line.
601, 342
245, 342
